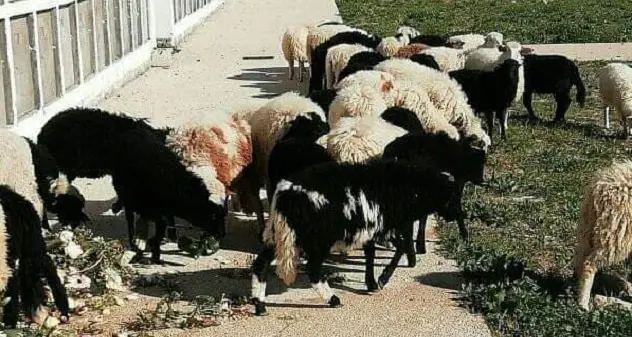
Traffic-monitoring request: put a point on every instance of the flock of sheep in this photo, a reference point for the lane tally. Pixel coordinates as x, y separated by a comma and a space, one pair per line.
386, 136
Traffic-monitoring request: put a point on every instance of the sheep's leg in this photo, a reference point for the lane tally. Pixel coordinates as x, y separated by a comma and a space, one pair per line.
59, 291
420, 247
301, 70
154, 243
131, 229
31, 290
527, 98
563, 102
369, 272
259, 276
290, 68
502, 120
45, 223
626, 130
11, 300
586, 275
172, 233
489, 117
409, 243
388, 271
606, 117
319, 282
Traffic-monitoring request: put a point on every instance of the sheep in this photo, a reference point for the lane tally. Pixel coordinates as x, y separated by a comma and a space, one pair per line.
294, 46
359, 139
379, 80
448, 59
403, 118
615, 87
268, 124
430, 40
552, 74
408, 31
297, 149
603, 234
33, 173
466, 42
322, 33
390, 45
445, 93
323, 98
360, 61
355, 101
337, 58
318, 60
23, 258
425, 60
491, 92
493, 40
407, 51
151, 180
334, 207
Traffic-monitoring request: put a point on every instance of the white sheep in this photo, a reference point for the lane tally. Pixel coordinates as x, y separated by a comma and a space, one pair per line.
294, 46
467, 42
358, 139
445, 93
318, 35
354, 101
383, 81
493, 40
615, 87
408, 30
448, 59
337, 58
391, 44
604, 235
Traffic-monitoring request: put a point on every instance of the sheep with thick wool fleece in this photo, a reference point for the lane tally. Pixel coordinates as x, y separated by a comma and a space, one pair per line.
379, 80
337, 59
470, 42
448, 58
407, 51
409, 31
359, 139
355, 101
615, 87
391, 44
604, 234
445, 93
294, 46
320, 34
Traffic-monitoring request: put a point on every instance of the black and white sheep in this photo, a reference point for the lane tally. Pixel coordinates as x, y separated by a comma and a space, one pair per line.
552, 74
491, 92
361, 61
425, 60
323, 98
334, 207
23, 260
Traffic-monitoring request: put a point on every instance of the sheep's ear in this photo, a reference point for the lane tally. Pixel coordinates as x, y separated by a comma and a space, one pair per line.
449, 176
503, 48
526, 51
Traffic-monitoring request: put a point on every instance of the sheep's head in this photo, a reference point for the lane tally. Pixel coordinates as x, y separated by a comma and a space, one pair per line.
475, 157
69, 207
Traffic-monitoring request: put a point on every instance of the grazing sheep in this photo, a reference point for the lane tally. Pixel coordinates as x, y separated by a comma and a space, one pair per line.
297, 149
358, 139
334, 207
408, 31
391, 44
445, 93
151, 180
403, 118
425, 60
552, 74
294, 46
337, 58
319, 55
603, 235
615, 87
430, 40
322, 33
353, 101
405, 52
466, 42
23, 260
491, 92
493, 40
323, 98
448, 59
361, 61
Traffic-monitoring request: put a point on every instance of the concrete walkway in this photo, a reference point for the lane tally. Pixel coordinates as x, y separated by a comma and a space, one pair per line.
588, 51
208, 76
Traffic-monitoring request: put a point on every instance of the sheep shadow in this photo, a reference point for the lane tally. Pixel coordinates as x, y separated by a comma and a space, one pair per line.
588, 129
271, 82
443, 280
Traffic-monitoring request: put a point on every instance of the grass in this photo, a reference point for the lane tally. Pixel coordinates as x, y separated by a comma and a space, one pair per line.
523, 223
527, 21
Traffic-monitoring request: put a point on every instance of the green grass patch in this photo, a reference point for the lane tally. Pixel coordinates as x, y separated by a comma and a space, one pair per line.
523, 222
527, 21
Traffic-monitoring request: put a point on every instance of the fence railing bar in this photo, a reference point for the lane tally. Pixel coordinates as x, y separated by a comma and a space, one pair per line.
95, 39
132, 23
79, 53
108, 33
10, 9
60, 77
36, 63
121, 30
12, 105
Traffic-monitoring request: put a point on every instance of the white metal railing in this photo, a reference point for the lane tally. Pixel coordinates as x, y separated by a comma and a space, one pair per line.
59, 53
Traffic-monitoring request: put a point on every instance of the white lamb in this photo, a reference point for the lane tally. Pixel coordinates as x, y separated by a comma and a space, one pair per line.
379, 80
493, 40
445, 93
294, 45
354, 101
448, 59
337, 58
615, 87
391, 44
358, 139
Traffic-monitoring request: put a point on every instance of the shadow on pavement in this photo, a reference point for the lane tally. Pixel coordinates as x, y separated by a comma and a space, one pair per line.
271, 82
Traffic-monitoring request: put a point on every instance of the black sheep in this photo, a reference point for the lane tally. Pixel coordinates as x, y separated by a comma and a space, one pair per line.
365, 60
426, 60
23, 260
323, 98
317, 63
490, 92
552, 74
404, 118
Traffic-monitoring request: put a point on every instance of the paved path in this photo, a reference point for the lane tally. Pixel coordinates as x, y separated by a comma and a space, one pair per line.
209, 75
588, 51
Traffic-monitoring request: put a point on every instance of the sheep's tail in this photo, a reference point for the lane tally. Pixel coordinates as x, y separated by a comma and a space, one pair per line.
581, 89
279, 233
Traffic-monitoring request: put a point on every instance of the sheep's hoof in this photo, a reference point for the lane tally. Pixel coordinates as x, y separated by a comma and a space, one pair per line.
372, 286
382, 281
260, 307
334, 302
412, 260
420, 248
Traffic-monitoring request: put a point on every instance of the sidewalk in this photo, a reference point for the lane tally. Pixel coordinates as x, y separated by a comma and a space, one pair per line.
588, 51
209, 75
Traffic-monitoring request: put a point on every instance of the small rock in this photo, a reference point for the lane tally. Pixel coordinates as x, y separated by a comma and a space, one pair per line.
51, 322
106, 311
604, 301
131, 297
127, 257
119, 301
113, 280
78, 282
